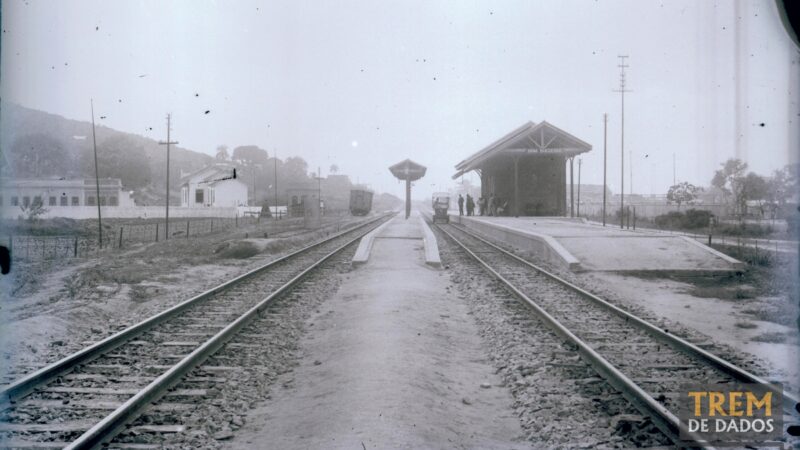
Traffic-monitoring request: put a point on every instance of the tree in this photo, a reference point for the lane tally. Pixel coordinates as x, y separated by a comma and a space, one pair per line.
248, 155
296, 169
122, 157
35, 210
334, 169
222, 153
730, 180
38, 155
782, 185
683, 193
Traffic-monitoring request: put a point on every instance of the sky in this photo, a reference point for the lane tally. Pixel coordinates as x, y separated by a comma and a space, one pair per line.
365, 84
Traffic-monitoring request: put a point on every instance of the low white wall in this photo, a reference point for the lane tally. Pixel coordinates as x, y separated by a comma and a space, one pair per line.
143, 212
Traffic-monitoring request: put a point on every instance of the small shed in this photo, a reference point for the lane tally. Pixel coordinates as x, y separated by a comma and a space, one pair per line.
525, 170
213, 186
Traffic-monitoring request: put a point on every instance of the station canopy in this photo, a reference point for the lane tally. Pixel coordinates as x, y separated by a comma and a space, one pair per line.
528, 139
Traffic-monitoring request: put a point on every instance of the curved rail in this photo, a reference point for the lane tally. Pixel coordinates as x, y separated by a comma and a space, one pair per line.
663, 418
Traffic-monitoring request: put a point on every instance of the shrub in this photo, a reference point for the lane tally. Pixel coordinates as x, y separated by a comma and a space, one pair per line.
672, 219
697, 218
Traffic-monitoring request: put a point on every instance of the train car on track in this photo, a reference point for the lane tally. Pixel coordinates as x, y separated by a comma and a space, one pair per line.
360, 202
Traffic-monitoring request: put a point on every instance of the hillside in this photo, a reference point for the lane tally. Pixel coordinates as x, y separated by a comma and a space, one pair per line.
39, 144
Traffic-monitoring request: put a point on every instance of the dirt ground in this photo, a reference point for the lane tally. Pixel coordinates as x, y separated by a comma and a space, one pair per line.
52, 308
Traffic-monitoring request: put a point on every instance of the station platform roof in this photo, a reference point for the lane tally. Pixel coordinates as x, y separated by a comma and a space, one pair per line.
528, 139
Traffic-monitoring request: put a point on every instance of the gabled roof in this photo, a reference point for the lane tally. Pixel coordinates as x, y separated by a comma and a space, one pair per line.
209, 174
529, 138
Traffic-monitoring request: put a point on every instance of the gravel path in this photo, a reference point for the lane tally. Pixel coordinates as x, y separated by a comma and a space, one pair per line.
392, 360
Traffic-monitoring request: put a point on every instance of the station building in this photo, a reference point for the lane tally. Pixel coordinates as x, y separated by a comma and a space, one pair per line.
526, 170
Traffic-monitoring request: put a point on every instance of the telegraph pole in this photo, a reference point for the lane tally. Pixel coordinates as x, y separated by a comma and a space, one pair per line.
605, 153
622, 92
275, 152
673, 170
579, 186
96, 182
167, 143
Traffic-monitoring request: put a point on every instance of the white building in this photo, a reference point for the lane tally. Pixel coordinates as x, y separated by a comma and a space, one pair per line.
213, 186
58, 194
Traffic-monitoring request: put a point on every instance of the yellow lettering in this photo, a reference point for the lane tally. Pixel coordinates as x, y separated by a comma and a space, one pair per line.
715, 402
766, 402
736, 404
697, 396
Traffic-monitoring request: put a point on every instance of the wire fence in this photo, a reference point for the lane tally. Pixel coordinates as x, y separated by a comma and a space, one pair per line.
38, 248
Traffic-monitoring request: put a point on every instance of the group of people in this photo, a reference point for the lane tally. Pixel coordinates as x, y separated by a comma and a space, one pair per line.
470, 204
486, 206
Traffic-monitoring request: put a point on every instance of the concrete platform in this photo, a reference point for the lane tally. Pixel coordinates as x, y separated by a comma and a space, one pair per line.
398, 227
581, 246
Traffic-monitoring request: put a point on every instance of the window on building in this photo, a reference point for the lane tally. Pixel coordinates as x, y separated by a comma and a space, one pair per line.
38, 200
90, 200
76, 201
64, 200
26, 201
14, 201
52, 201
198, 196
103, 200
113, 200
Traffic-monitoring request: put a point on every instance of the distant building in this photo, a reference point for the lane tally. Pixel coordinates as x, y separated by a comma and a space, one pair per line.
59, 195
213, 186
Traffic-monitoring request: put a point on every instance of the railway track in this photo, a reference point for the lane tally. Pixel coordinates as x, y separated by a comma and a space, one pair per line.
646, 364
86, 398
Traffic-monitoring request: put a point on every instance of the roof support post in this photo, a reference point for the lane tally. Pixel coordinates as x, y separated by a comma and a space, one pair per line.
571, 189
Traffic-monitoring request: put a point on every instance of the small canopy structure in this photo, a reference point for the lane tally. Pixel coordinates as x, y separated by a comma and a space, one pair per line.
408, 171
540, 150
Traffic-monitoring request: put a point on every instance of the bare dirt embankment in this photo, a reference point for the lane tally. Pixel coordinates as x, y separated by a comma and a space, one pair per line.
52, 308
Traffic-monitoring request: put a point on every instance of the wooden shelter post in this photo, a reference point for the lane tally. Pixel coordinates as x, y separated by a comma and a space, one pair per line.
571, 189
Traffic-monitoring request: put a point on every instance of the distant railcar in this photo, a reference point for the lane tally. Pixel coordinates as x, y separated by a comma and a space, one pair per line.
360, 202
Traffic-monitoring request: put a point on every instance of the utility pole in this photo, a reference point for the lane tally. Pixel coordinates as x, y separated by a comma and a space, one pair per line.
168, 143
605, 154
630, 167
319, 190
579, 186
673, 170
275, 152
96, 182
622, 92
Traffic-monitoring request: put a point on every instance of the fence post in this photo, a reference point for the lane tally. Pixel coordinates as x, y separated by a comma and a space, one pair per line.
187, 229
120, 237
212, 225
237, 220
709, 239
75, 248
156, 231
634, 218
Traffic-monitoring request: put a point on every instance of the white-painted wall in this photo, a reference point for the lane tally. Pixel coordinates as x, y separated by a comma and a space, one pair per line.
143, 212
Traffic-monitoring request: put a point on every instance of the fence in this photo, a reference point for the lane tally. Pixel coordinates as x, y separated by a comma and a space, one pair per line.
52, 247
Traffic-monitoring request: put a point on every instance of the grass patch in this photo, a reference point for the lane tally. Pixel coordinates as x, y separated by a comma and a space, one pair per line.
236, 250
745, 325
771, 338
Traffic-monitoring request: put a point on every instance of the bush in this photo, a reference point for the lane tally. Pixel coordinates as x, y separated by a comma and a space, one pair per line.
692, 219
697, 218
672, 219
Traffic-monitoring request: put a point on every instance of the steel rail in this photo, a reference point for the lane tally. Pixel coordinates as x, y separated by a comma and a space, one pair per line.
789, 401
113, 423
664, 419
26, 384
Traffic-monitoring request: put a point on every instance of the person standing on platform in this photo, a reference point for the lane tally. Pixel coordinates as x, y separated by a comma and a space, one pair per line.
481, 205
470, 206
460, 205
492, 205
